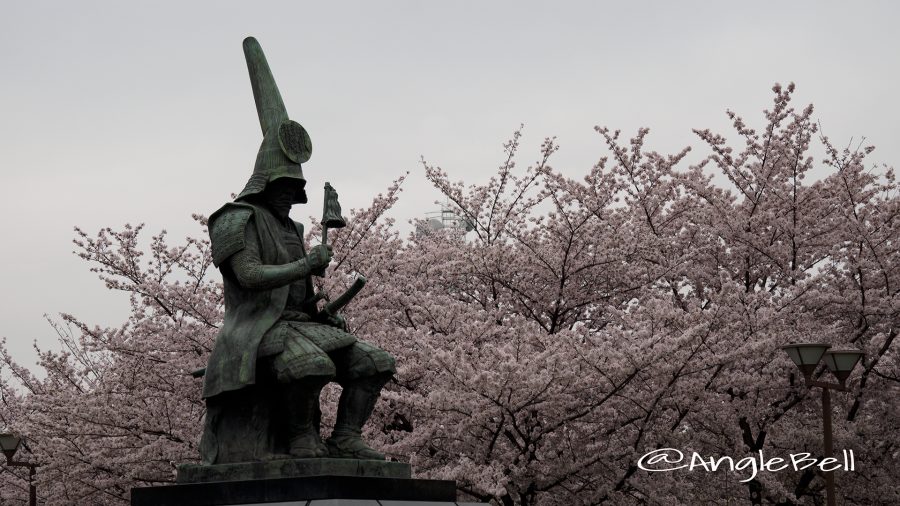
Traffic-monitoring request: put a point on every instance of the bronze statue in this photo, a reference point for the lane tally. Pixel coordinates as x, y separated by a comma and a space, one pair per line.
276, 349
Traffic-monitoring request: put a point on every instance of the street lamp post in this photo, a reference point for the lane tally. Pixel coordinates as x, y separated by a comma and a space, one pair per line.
840, 362
10, 444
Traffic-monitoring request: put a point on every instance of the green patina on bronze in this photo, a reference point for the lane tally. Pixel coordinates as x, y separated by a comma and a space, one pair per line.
285, 143
276, 349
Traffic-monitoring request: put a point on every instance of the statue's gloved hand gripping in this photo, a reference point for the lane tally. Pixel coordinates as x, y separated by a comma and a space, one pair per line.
252, 274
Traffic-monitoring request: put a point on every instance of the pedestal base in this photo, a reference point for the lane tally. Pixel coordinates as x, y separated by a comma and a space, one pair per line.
291, 468
304, 491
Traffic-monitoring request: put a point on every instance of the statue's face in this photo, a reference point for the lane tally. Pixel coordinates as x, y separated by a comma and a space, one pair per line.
282, 193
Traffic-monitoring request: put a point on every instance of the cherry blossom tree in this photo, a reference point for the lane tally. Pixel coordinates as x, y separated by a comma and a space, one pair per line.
578, 326
115, 408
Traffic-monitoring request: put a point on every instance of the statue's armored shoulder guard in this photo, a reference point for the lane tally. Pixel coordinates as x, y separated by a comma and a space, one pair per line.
226, 230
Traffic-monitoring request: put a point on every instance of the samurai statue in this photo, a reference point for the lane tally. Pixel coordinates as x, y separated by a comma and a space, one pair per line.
275, 350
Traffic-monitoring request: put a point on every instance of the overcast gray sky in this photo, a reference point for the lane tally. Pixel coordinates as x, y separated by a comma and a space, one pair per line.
117, 112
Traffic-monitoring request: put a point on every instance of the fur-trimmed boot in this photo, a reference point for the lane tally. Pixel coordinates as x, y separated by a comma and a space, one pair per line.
354, 409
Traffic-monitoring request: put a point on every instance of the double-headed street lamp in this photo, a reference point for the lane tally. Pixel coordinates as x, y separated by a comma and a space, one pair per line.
840, 363
10, 444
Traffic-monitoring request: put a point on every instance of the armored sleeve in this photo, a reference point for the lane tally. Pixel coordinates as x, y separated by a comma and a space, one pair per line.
252, 274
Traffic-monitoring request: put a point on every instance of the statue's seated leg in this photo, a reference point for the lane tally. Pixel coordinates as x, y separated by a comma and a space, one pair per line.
301, 370
362, 370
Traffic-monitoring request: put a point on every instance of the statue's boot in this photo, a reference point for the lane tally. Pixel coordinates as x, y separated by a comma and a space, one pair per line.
301, 405
354, 409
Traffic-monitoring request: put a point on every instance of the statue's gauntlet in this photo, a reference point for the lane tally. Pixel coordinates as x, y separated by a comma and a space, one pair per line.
252, 275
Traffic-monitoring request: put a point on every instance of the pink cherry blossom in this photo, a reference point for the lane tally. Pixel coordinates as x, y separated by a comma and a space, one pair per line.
579, 325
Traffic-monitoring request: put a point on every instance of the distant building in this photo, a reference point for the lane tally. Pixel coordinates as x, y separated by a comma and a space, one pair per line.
445, 218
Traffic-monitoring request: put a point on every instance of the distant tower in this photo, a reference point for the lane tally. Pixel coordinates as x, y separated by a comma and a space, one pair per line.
445, 218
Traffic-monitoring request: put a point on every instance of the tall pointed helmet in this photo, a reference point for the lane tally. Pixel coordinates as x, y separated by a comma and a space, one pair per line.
285, 143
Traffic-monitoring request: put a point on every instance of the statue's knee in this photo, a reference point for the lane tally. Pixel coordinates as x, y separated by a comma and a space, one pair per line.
313, 366
363, 360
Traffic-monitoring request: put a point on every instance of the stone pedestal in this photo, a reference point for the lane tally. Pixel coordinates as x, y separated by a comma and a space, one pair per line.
299, 482
291, 468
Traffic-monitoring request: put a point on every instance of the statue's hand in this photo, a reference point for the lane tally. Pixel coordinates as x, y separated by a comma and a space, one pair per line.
336, 320
319, 257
